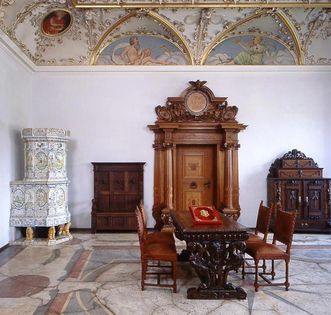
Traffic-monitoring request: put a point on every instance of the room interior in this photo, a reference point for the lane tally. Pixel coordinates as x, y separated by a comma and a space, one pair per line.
83, 79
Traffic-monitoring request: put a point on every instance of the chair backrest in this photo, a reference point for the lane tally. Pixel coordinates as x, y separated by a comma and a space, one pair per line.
284, 228
263, 220
143, 213
140, 229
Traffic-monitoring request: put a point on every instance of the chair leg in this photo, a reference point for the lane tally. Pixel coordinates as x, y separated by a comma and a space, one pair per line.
256, 285
174, 276
143, 274
287, 284
264, 267
273, 270
243, 270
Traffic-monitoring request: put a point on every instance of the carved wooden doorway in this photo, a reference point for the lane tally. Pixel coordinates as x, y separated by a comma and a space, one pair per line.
195, 176
196, 126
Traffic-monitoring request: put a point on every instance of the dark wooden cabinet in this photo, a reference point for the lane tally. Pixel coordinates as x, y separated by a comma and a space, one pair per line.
295, 182
118, 188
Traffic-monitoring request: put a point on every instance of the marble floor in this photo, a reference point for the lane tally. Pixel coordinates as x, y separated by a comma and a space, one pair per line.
100, 274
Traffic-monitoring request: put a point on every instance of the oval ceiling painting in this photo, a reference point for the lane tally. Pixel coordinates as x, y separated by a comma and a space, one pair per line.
250, 50
56, 22
141, 50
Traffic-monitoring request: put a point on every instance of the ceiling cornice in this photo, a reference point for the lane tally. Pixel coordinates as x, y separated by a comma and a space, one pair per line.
8, 46
134, 4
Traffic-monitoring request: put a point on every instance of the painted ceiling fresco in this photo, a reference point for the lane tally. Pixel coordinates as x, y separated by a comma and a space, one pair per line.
182, 32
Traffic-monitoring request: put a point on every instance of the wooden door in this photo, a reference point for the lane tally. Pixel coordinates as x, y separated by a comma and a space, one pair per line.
195, 176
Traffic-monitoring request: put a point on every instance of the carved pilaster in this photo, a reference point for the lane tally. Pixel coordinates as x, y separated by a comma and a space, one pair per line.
231, 173
159, 181
228, 210
169, 175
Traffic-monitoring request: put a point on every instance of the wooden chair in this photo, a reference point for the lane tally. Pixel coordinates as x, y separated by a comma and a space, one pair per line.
156, 252
262, 224
262, 227
283, 233
154, 237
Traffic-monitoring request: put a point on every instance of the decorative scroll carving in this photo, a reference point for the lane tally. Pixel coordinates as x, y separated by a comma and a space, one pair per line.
183, 109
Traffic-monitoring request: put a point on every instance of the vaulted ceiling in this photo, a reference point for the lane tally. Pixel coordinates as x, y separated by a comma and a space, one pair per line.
182, 32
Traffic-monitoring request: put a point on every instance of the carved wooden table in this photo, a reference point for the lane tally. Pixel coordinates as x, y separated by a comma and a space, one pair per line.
213, 251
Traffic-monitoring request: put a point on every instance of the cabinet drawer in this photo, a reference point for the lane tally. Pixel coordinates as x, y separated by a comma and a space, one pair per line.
312, 225
116, 221
303, 173
298, 163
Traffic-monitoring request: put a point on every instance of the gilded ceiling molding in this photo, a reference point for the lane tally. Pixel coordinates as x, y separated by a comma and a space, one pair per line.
294, 35
98, 48
134, 4
223, 36
201, 34
173, 29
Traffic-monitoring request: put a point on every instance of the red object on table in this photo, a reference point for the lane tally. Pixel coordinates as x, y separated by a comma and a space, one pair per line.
205, 215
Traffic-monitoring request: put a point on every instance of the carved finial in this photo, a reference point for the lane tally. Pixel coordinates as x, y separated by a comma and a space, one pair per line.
294, 154
197, 84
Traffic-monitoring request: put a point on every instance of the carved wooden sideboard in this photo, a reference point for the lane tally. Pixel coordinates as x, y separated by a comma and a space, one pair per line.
118, 188
196, 152
295, 182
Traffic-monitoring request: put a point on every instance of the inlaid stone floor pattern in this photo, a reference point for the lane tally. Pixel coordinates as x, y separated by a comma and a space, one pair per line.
100, 274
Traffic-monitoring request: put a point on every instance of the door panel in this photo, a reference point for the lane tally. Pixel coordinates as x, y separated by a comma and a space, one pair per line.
195, 180
293, 197
314, 202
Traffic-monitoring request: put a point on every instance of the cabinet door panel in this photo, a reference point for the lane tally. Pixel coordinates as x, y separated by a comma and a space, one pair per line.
133, 182
314, 200
118, 202
101, 181
292, 196
117, 181
103, 201
132, 201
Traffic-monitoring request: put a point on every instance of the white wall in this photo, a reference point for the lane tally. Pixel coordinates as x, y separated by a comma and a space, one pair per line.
15, 97
107, 113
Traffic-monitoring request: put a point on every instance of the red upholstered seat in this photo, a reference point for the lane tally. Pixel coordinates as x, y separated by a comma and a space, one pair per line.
162, 252
267, 251
283, 233
155, 237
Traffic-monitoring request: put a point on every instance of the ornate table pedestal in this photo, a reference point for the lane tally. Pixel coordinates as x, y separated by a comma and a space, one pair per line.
213, 252
41, 198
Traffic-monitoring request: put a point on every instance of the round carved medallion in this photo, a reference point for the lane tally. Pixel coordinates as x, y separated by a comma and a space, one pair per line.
196, 102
